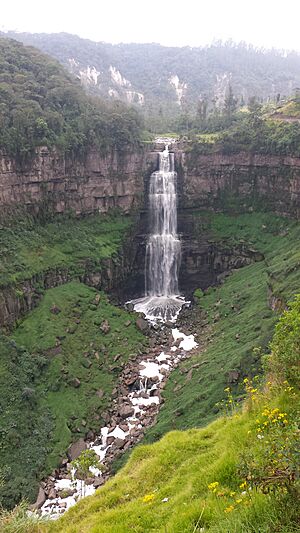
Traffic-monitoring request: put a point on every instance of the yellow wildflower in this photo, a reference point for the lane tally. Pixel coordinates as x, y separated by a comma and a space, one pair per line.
243, 485
148, 498
229, 509
213, 486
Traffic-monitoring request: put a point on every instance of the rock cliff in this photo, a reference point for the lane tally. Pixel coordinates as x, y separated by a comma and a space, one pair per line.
240, 180
59, 183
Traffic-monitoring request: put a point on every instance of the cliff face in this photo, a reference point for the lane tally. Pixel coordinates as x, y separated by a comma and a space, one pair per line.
220, 181
60, 183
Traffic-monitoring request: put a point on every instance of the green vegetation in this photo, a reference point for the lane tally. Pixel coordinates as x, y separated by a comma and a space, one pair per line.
41, 410
237, 317
252, 129
57, 374
239, 474
87, 459
41, 104
290, 108
239, 69
18, 520
28, 249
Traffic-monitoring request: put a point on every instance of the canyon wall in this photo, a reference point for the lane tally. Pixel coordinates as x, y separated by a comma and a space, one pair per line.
59, 183
241, 180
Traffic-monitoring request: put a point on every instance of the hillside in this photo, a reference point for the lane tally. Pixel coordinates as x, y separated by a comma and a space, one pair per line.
57, 358
41, 104
165, 81
239, 474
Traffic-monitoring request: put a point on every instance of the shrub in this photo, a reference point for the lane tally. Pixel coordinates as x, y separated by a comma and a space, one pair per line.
284, 362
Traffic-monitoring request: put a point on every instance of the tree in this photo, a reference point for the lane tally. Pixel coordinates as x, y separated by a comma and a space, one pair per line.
230, 103
86, 460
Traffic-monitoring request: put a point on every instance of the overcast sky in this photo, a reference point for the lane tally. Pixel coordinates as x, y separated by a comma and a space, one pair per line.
267, 23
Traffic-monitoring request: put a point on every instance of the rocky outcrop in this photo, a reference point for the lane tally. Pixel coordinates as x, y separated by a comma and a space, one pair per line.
239, 181
58, 183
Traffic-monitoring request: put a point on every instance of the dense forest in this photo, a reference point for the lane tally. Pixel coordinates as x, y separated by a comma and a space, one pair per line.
265, 129
167, 80
41, 104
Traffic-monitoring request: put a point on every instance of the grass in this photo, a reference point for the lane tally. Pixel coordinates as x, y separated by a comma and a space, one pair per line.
164, 486
208, 137
18, 520
238, 315
42, 410
29, 249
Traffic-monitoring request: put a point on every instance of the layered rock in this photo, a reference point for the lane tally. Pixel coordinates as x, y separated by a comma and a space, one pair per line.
245, 180
59, 183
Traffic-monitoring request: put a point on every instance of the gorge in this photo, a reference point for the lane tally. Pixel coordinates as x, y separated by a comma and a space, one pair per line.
148, 295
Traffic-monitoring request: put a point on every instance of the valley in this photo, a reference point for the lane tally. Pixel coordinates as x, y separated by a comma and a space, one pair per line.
149, 306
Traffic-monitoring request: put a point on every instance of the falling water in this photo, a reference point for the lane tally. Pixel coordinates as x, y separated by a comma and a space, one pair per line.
162, 301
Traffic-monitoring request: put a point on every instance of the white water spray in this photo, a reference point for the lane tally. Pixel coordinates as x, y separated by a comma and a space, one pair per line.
162, 301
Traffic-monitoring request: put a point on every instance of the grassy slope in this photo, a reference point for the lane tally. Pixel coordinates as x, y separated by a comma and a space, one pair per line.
60, 412
29, 249
238, 307
40, 410
179, 467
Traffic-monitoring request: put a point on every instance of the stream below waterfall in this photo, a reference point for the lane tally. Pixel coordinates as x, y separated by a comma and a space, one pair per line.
134, 412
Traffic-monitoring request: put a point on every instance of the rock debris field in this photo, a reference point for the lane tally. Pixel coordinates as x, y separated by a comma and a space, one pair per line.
135, 405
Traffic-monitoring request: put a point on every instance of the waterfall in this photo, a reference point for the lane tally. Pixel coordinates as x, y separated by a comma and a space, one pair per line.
162, 301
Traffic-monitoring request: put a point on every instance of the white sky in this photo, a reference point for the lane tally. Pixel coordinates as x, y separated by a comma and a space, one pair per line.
267, 23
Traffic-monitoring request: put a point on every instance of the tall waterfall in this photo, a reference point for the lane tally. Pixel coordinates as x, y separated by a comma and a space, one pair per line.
163, 252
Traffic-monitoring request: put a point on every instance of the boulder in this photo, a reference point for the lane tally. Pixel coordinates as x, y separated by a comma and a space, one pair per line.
233, 376
97, 299
52, 494
98, 481
119, 443
76, 448
142, 325
41, 498
75, 382
105, 327
126, 410
65, 493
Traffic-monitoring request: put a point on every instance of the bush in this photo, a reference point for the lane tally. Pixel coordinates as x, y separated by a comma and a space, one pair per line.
285, 346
